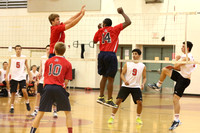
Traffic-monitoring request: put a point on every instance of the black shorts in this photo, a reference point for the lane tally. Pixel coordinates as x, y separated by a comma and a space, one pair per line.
125, 91
57, 94
40, 89
51, 55
4, 82
107, 64
14, 84
181, 83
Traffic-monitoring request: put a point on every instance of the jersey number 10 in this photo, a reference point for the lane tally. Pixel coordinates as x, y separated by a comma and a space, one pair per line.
55, 70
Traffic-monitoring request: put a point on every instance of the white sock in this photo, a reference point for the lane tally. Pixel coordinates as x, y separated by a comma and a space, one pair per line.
159, 83
176, 117
12, 106
138, 116
36, 108
113, 115
27, 101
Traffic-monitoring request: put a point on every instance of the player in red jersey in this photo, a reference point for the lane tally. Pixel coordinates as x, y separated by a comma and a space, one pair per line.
107, 60
58, 72
57, 28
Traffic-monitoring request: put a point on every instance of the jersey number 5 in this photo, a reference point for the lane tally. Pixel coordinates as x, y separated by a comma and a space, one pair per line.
17, 64
106, 38
55, 70
134, 73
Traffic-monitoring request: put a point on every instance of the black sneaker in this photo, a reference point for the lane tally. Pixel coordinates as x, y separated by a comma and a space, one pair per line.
101, 100
110, 103
28, 107
11, 110
154, 87
175, 124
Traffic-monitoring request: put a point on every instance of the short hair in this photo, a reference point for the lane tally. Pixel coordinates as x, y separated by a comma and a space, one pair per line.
33, 66
18, 46
137, 50
60, 48
5, 62
52, 17
189, 45
107, 22
47, 46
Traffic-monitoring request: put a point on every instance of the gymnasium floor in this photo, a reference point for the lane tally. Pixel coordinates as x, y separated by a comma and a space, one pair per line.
91, 117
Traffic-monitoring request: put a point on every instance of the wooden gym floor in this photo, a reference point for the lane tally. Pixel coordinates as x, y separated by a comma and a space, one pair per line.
91, 117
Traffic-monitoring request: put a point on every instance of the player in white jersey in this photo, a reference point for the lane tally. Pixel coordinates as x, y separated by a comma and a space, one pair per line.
40, 85
3, 75
34, 73
182, 79
16, 67
132, 73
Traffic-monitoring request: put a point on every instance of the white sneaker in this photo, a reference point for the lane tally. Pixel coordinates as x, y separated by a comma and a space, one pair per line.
34, 114
55, 115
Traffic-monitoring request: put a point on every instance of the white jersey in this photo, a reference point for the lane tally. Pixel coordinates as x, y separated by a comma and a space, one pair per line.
186, 69
134, 74
43, 60
17, 68
3, 75
34, 75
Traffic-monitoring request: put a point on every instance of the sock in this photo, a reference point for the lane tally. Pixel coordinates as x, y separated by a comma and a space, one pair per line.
176, 117
27, 101
159, 83
138, 116
36, 108
12, 106
113, 115
70, 130
33, 130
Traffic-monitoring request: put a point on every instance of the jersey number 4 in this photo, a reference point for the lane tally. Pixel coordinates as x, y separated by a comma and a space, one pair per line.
134, 73
55, 69
106, 38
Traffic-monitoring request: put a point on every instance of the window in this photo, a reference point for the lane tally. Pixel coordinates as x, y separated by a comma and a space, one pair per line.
13, 4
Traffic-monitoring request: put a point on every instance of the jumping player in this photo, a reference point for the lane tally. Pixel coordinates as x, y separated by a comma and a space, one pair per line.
107, 60
57, 28
181, 78
57, 73
16, 67
131, 75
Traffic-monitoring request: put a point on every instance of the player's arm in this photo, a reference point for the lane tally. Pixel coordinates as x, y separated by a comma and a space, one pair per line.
28, 71
126, 18
95, 39
75, 21
178, 65
8, 70
144, 79
124, 70
75, 16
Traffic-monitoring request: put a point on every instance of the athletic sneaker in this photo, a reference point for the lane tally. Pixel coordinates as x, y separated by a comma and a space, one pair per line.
154, 87
110, 103
101, 100
28, 107
175, 124
55, 115
11, 110
110, 120
139, 121
34, 113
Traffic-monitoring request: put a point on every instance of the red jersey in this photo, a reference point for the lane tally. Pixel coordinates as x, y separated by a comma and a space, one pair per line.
57, 35
108, 38
57, 69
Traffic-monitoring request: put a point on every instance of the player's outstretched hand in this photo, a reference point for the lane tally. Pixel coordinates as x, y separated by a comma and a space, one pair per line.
83, 8
120, 10
170, 67
99, 26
